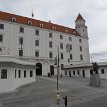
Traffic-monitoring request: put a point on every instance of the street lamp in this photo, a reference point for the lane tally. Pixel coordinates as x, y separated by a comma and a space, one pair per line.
57, 63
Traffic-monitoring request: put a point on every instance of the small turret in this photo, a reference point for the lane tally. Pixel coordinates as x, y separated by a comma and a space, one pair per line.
80, 26
79, 17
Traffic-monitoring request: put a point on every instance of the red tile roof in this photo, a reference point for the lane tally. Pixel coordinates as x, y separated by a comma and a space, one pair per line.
46, 25
80, 17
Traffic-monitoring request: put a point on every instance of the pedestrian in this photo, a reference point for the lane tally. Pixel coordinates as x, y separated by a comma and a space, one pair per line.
65, 101
58, 98
70, 73
48, 74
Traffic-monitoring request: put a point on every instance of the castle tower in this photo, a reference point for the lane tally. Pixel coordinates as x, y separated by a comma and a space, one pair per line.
80, 26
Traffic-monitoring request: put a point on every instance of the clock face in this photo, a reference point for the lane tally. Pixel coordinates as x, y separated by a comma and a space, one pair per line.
67, 47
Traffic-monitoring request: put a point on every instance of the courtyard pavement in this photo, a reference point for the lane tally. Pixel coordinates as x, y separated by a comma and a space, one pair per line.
42, 93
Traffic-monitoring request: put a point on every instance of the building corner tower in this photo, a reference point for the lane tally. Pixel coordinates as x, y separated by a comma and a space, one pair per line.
81, 29
80, 26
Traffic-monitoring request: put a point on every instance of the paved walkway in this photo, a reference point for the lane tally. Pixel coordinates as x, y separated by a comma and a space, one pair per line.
1, 105
42, 93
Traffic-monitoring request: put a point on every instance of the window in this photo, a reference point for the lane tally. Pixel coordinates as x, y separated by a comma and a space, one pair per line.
61, 55
67, 48
80, 48
20, 52
70, 56
0, 49
68, 60
1, 26
50, 35
24, 73
91, 72
4, 74
80, 40
78, 72
21, 30
41, 25
19, 73
66, 30
81, 57
36, 42
15, 73
61, 36
29, 23
74, 32
61, 45
53, 28
73, 72
62, 66
70, 38
36, 53
50, 44
70, 73
1, 38
21, 41
65, 72
50, 55
37, 32
31, 73
102, 71
13, 19
70, 47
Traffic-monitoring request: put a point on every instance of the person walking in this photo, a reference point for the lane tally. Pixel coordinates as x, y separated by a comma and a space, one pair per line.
58, 98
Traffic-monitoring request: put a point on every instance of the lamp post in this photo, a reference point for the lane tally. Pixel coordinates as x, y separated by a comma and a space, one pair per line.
58, 70
57, 63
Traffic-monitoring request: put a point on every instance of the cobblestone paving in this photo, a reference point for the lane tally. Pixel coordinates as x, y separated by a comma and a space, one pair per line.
42, 93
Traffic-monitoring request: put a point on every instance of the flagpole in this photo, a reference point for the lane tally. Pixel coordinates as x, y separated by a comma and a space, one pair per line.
32, 13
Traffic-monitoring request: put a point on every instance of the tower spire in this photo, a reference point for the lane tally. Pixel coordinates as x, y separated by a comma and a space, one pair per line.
79, 17
80, 27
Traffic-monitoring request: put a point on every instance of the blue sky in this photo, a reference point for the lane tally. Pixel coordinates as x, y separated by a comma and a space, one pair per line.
64, 12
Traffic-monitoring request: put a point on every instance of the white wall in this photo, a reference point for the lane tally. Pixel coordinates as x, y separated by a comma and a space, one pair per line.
104, 76
87, 72
23, 80
11, 82
6, 84
11, 43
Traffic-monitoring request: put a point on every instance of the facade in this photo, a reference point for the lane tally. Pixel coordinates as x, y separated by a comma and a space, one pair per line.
84, 70
38, 41
15, 72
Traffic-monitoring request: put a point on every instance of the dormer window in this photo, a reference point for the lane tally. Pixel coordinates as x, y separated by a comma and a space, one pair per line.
66, 30
13, 19
41, 25
29, 23
53, 28
74, 32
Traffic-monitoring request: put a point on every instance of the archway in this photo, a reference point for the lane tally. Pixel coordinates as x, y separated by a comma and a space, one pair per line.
39, 69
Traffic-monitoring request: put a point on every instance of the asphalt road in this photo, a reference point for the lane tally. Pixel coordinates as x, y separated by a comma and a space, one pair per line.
98, 102
42, 93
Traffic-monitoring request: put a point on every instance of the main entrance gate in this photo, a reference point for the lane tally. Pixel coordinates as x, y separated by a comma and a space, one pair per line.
39, 69
51, 70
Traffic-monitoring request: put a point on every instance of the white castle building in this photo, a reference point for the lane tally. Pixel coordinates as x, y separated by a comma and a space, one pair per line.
36, 40
28, 39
